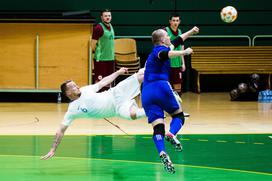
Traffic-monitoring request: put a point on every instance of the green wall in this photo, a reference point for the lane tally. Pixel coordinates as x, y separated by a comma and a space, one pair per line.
140, 17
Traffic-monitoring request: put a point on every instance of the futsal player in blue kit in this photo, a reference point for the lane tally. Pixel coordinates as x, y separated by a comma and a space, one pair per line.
158, 95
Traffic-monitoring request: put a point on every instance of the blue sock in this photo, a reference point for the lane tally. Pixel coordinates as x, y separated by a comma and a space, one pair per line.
175, 125
159, 142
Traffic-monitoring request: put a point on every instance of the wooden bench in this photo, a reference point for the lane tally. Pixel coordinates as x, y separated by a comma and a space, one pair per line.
231, 60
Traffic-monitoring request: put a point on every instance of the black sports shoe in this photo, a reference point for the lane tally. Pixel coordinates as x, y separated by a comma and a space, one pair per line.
168, 165
174, 141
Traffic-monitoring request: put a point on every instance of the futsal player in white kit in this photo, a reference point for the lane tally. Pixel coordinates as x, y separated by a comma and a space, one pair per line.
88, 103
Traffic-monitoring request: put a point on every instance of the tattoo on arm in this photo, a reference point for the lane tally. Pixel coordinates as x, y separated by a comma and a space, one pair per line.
57, 140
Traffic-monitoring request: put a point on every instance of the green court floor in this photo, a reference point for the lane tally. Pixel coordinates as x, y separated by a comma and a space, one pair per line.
205, 157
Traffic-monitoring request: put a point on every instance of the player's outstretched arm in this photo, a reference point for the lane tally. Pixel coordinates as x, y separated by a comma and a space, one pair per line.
189, 33
57, 140
175, 53
110, 78
180, 40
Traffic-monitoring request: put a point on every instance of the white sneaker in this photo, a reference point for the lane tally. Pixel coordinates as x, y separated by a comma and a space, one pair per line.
186, 114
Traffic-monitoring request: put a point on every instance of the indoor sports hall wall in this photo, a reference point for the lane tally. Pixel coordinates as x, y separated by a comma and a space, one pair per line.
140, 17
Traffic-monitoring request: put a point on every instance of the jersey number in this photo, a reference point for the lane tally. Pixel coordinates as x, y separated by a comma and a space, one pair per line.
82, 109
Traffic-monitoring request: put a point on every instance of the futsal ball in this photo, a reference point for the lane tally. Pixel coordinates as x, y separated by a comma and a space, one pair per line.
242, 87
229, 14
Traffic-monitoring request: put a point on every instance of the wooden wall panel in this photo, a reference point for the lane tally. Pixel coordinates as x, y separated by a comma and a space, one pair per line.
17, 56
63, 54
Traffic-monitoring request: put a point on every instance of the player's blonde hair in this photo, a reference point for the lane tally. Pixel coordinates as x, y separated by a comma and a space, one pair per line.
157, 36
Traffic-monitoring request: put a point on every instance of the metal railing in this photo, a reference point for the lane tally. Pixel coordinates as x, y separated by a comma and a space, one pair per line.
259, 36
199, 37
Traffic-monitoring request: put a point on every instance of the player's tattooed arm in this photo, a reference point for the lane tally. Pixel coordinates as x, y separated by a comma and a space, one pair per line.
58, 137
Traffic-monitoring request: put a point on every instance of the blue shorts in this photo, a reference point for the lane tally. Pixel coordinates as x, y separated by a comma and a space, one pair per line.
158, 97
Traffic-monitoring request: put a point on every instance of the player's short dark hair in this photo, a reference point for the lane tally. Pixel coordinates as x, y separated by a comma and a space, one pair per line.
104, 10
63, 87
174, 15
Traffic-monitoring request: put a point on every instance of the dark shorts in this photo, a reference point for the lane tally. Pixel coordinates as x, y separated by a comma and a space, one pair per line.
158, 97
175, 76
102, 69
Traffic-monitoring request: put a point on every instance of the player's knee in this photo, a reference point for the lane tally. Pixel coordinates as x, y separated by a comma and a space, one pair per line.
133, 115
140, 75
159, 129
141, 71
179, 116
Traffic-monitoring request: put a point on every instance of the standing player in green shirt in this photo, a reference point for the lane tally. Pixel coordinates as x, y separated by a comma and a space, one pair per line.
103, 47
177, 63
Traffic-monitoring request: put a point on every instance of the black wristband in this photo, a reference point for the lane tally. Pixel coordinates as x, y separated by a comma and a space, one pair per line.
177, 41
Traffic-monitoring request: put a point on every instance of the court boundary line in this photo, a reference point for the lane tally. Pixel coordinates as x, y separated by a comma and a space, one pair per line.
136, 134
153, 163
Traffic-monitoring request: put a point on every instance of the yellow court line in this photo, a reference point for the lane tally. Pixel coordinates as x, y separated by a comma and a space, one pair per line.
221, 141
258, 143
134, 134
202, 140
152, 163
240, 142
145, 137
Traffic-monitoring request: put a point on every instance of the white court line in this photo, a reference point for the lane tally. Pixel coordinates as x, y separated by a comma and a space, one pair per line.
270, 137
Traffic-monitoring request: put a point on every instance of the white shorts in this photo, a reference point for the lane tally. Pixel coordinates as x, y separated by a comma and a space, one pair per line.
124, 93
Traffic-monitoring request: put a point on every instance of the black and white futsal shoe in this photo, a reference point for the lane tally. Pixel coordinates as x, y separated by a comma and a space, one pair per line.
168, 165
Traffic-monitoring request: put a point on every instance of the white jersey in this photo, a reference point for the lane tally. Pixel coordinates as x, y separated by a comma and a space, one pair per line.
90, 104
114, 102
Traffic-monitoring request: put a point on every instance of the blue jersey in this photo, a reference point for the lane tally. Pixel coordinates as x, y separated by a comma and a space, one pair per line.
156, 69
157, 93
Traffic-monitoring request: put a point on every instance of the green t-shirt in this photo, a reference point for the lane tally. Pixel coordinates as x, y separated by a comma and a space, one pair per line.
176, 61
105, 45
